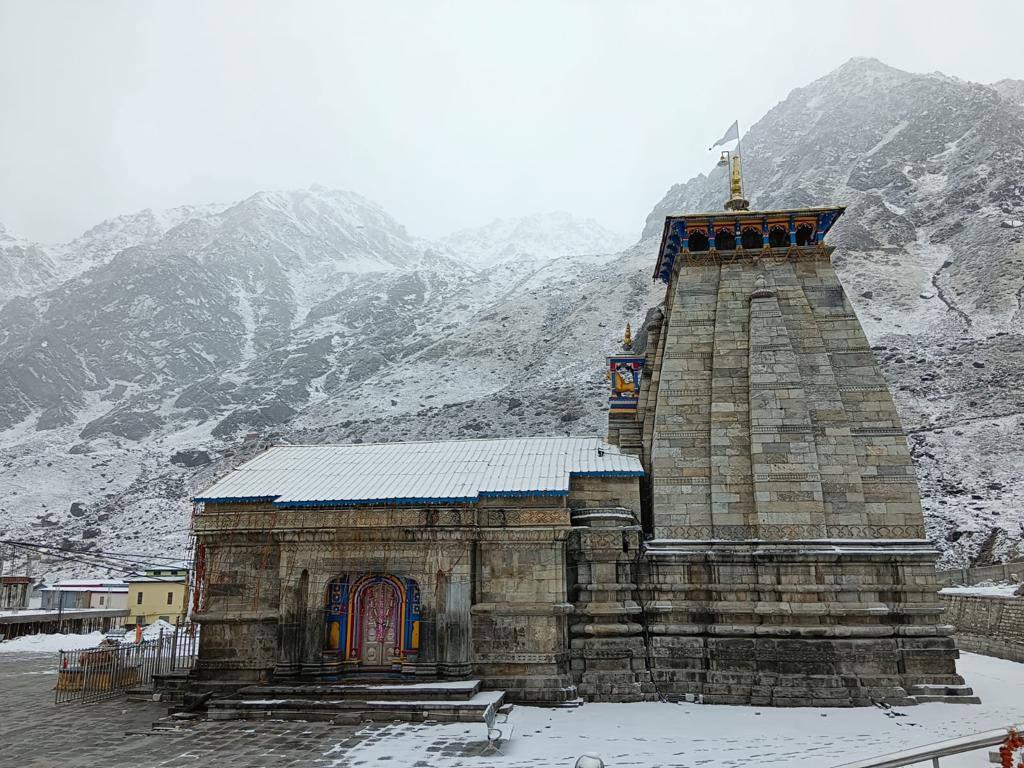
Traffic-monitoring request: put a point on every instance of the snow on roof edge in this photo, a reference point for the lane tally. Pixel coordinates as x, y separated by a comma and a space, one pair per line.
420, 472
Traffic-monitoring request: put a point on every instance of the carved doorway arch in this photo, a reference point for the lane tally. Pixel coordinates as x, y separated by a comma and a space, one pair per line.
373, 620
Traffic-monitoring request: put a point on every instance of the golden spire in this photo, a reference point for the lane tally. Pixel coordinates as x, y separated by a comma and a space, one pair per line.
627, 338
736, 201
731, 160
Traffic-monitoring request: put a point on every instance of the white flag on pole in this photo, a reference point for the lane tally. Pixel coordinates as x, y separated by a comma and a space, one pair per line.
733, 134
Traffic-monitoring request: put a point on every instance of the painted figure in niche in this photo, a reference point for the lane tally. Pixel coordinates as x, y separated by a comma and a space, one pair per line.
625, 379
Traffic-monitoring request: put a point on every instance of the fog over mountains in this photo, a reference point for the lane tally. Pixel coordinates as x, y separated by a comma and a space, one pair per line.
141, 359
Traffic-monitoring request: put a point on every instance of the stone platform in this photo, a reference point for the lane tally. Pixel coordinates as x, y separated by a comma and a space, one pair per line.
459, 701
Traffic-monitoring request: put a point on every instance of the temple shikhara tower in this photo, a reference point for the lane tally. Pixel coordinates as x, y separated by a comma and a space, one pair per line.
749, 531
786, 561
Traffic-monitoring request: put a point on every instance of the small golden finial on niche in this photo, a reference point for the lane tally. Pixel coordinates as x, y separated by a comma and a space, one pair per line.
627, 338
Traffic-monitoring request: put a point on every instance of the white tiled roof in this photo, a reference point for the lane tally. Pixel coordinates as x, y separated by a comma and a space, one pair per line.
62, 586
425, 472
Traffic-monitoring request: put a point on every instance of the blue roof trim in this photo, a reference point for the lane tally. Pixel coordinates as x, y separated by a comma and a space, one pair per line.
609, 473
231, 499
498, 494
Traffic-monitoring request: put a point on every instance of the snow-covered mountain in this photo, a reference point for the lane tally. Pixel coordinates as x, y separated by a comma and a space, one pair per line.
540, 238
144, 358
289, 313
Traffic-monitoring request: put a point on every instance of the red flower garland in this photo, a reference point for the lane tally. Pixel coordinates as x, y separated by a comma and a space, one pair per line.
1014, 741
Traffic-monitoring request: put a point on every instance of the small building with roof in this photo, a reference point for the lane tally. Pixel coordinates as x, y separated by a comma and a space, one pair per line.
76, 594
424, 558
158, 593
15, 592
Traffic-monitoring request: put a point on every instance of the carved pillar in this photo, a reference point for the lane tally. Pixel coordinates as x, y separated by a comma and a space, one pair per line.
454, 649
426, 657
291, 626
608, 654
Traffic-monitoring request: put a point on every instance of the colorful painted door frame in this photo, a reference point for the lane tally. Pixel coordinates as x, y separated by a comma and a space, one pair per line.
372, 620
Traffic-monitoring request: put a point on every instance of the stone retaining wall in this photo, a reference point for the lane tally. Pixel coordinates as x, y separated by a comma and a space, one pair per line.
993, 626
1013, 572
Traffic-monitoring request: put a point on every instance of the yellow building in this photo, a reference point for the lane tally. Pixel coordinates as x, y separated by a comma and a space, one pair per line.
158, 593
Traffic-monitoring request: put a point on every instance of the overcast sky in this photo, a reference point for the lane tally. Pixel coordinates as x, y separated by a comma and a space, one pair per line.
449, 114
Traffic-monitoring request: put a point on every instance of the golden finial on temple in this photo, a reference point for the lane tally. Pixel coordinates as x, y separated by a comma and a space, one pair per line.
627, 338
731, 160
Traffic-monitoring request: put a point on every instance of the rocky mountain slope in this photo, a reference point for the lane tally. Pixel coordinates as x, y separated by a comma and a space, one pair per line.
144, 358
309, 314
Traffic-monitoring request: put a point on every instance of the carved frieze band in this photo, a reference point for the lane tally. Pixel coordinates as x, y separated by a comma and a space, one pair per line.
686, 391
781, 429
601, 653
786, 532
687, 322
877, 531
685, 315
767, 257
521, 658
529, 517
772, 385
676, 355
787, 477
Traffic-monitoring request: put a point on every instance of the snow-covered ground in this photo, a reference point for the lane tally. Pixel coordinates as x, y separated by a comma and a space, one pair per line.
50, 643
60, 642
984, 589
652, 735
662, 735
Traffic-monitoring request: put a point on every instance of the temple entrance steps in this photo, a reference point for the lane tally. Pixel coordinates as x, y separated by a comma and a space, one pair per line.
352, 703
948, 694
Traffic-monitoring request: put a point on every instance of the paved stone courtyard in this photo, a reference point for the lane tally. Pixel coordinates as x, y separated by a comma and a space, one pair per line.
36, 733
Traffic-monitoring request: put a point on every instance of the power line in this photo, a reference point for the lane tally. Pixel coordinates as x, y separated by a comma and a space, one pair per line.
91, 562
125, 556
119, 561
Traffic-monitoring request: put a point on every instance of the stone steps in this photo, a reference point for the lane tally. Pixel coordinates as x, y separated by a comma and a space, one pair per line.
947, 694
930, 698
442, 691
461, 701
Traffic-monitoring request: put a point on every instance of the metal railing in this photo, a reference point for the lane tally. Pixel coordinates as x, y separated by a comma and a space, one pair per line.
934, 752
115, 667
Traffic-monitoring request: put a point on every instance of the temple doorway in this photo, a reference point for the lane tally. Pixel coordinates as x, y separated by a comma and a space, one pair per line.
377, 617
372, 620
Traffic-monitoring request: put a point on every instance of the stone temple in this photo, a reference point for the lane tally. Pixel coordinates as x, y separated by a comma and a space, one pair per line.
749, 532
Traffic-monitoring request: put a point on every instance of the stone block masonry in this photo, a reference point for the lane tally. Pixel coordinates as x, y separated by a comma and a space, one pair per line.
786, 561
993, 626
1012, 572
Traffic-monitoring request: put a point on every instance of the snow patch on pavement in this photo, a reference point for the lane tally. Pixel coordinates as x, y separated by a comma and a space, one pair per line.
660, 735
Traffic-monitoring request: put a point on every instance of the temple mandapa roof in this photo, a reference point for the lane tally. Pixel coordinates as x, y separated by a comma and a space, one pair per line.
441, 472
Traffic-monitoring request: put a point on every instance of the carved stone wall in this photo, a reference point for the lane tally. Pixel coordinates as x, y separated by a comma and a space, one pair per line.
787, 561
492, 581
